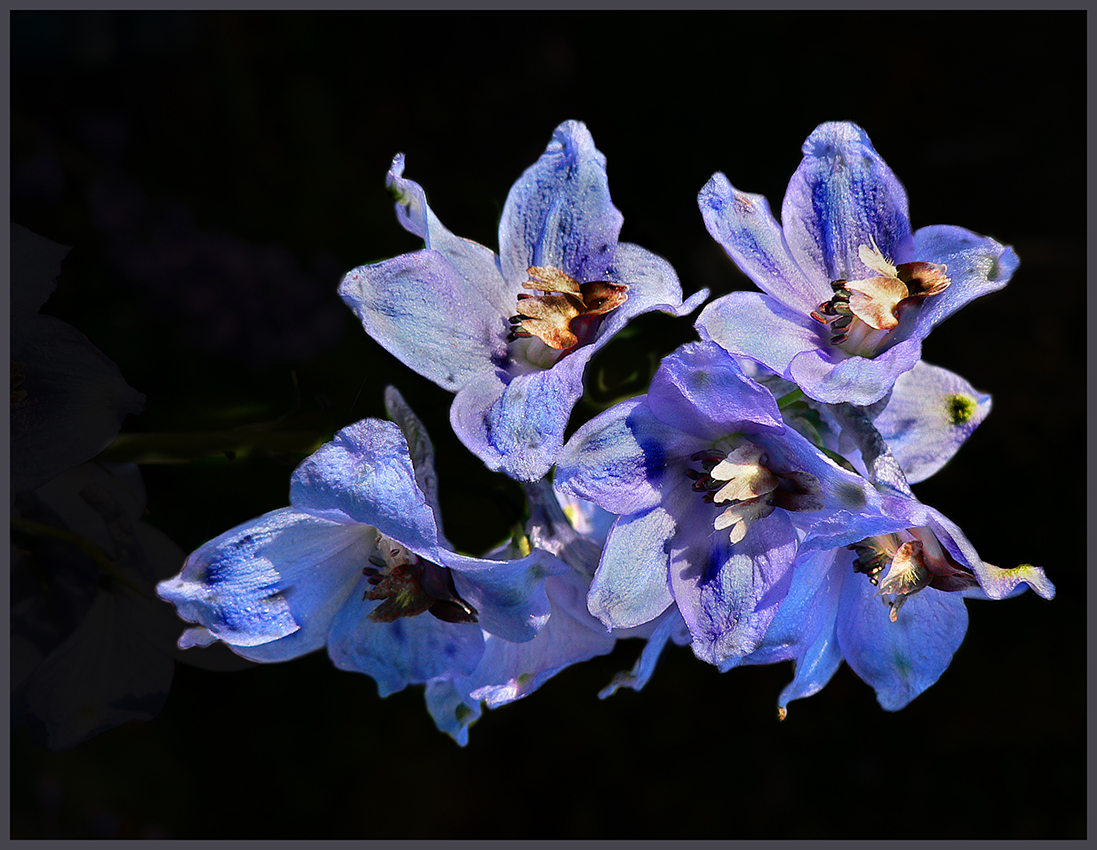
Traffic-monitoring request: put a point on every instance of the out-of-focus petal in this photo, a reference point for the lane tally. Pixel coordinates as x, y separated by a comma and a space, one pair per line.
841, 197
630, 586
453, 711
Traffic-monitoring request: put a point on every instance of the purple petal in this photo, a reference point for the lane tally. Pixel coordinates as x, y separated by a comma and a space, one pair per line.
833, 377
364, 475
653, 285
559, 211
843, 196
630, 586
975, 265
671, 627
744, 226
421, 309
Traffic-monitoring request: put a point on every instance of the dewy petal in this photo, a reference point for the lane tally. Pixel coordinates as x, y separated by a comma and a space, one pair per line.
744, 226
630, 586
559, 211
728, 593
701, 390
621, 460
841, 197
901, 659
930, 414
271, 587
975, 265
833, 377
473, 262
364, 475
407, 651
421, 309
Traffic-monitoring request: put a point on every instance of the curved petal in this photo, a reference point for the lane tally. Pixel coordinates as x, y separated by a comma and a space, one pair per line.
407, 651
630, 586
653, 285
901, 659
270, 588
452, 710
420, 309
364, 475
841, 197
702, 391
833, 377
976, 265
671, 628
744, 226
621, 458
559, 211
729, 593
930, 414
420, 450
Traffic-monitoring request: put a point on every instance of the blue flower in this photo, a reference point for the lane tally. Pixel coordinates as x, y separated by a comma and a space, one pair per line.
714, 496
358, 563
849, 291
468, 320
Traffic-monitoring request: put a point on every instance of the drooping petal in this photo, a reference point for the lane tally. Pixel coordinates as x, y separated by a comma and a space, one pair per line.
975, 265
406, 651
729, 593
509, 596
899, 659
841, 197
743, 225
364, 475
425, 313
833, 377
630, 586
671, 628
621, 458
559, 212
702, 391
930, 414
452, 710
270, 588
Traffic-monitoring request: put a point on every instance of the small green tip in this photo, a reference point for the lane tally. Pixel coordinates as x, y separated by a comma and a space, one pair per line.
960, 408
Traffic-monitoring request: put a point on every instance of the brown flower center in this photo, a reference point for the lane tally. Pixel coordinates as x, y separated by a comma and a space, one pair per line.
568, 313
407, 586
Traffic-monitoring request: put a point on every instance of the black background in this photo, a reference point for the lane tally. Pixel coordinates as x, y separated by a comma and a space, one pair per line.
216, 175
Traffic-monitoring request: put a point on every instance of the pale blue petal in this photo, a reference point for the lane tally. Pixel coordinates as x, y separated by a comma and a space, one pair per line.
901, 659
559, 212
452, 710
426, 314
364, 475
744, 226
843, 196
930, 414
833, 377
671, 628
270, 588
420, 450
630, 586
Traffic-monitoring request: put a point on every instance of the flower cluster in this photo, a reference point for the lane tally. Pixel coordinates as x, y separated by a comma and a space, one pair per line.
754, 503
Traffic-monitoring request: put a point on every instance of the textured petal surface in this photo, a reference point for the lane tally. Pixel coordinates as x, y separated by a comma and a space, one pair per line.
930, 414
424, 312
559, 212
270, 588
841, 197
365, 475
630, 586
744, 226
833, 377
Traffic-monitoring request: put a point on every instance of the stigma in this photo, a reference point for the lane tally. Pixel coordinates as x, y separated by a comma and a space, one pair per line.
751, 490
567, 315
406, 585
862, 312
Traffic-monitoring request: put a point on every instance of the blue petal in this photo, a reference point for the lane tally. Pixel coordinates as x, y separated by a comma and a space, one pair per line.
671, 627
701, 390
729, 593
422, 310
930, 414
420, 450
630, 586
559, 212
833, 377
270, 588
843, 196
509, 595
620, 460
976, 265
744, 226
901, 659
453, 710
407, 651
364, 475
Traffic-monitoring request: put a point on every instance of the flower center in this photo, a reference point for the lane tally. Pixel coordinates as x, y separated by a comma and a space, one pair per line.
569, 312
407, 586
751, 490
913, 559
862, 312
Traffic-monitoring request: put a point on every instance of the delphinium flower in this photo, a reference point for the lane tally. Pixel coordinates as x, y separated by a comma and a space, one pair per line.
470, 320
849, 291
714, 496
358, 563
